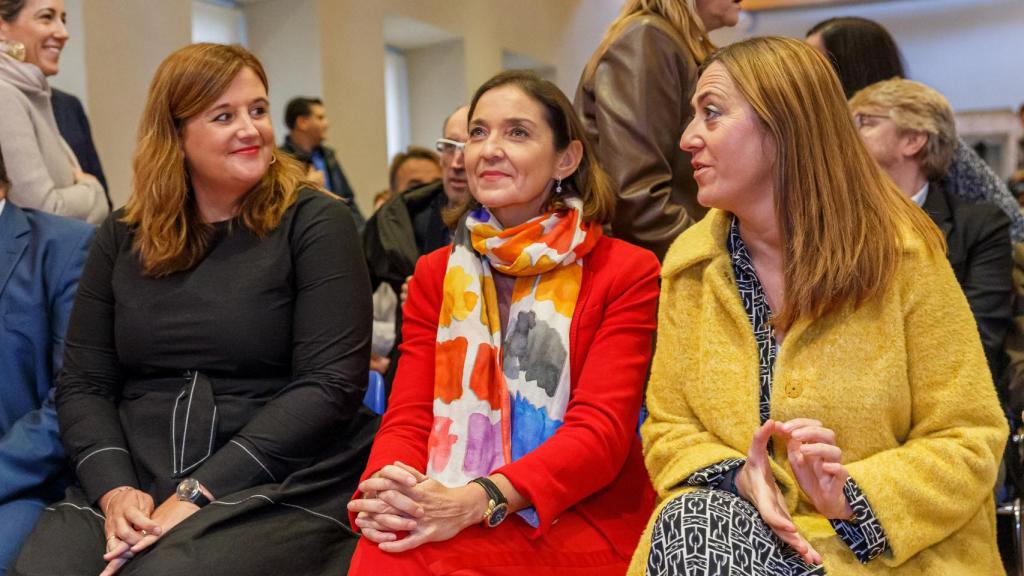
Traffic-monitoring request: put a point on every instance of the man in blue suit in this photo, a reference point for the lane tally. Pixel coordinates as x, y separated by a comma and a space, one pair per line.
41, 258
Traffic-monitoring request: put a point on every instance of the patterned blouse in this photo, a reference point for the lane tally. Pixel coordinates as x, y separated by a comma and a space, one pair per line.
863, 534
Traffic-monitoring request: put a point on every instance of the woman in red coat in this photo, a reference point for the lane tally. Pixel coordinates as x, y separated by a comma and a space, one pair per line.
510, 440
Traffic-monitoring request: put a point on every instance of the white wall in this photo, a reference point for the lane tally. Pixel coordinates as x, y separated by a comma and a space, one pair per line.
970, 50
437, 86
284, 35
72, 78
217, 23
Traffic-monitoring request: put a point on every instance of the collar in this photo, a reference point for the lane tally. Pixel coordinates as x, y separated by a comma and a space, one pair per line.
921, 196
705, 240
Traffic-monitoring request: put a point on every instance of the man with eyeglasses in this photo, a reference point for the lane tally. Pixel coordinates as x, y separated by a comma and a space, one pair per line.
412, 223
909, 130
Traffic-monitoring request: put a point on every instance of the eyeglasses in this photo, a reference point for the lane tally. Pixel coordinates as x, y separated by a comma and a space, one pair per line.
449, 147
858, 118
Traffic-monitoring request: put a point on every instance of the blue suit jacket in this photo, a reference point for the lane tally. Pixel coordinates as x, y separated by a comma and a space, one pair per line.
41, 258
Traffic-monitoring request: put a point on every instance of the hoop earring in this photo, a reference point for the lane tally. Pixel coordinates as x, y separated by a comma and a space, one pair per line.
558, 186
273, 158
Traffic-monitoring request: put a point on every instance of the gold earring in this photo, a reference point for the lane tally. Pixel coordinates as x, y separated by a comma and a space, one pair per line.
15, 50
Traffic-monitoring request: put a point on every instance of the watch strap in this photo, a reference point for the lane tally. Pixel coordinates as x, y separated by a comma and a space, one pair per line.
492, 490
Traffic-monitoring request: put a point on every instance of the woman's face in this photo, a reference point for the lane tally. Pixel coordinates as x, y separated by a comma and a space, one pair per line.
732, 153
40, 27
717, 14
510, 155
229, 146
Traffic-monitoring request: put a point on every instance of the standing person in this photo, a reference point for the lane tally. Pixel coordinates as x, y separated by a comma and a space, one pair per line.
633, 99
38, 277
74, 128
824, 415
44, 173
863, 52
307, 124
222, 326
909, 130
528, 463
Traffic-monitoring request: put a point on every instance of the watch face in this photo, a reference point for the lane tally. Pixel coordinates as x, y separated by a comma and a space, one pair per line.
187, 489
497, 515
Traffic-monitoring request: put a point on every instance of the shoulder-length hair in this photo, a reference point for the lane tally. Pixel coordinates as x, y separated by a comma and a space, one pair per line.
589, 182
862, 51
681, 16
170, 236
841, 218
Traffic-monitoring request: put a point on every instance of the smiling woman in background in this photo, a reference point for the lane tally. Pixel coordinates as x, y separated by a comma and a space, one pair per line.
43, 170
222, 325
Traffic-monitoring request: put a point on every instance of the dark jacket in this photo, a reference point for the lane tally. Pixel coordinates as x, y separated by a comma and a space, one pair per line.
980, 253
406, 227
635, 107
336, 180
74, 127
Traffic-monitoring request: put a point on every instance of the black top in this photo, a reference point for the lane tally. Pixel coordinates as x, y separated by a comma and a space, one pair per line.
251, 361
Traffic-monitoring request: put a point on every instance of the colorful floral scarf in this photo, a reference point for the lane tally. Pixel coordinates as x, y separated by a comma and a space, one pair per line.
500, 394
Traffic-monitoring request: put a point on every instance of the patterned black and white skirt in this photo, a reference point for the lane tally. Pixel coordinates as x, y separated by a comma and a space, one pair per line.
713, 532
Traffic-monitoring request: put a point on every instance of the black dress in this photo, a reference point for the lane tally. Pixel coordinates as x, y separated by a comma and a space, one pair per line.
246, 372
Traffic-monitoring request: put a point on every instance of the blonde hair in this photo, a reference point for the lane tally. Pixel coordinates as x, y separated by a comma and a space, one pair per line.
914, 107
840, 217
169, 234
681, 16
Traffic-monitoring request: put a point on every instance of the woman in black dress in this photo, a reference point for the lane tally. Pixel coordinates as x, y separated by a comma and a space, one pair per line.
216, 357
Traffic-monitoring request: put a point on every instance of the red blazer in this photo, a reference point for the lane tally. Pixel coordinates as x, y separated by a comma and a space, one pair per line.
594, 461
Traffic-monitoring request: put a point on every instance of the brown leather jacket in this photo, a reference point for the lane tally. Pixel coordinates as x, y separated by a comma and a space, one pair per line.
635, 107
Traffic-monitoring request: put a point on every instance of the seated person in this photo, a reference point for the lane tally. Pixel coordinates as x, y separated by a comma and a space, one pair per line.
307, 124
220, 327
819, 395
527, 463
909, 129
44, 255
411, 224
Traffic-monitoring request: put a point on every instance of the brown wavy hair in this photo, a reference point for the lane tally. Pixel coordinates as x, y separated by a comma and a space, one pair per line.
842, 219
589, 182
169, 234
681, 16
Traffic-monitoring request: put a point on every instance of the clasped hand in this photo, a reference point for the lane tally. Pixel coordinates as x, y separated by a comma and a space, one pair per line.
817, 466
398, 498
132, 525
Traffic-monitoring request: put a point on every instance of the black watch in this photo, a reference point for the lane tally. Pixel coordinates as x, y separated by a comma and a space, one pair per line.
497, 506
190, 490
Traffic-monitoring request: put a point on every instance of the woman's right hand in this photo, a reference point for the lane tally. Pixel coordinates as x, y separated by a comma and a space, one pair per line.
127, 511
84, 177
384, 509
755, 482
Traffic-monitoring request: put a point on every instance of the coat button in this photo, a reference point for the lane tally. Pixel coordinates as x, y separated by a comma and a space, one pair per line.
794, 389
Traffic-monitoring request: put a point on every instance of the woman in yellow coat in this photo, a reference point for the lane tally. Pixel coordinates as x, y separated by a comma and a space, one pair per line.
819, 400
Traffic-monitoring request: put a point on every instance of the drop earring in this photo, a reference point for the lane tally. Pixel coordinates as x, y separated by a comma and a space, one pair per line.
558, 186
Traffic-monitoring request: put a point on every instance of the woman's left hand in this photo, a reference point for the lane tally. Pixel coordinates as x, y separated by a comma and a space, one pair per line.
817, 465
168, 515
446, 512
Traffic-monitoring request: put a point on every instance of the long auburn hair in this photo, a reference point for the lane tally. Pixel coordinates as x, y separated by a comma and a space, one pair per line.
841, 218
169, 234
589, 182
680, 14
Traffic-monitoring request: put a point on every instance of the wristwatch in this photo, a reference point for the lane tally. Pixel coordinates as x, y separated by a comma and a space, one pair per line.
190, 490
497, 506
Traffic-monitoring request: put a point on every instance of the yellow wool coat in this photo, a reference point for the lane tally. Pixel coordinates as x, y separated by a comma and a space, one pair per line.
902, 381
